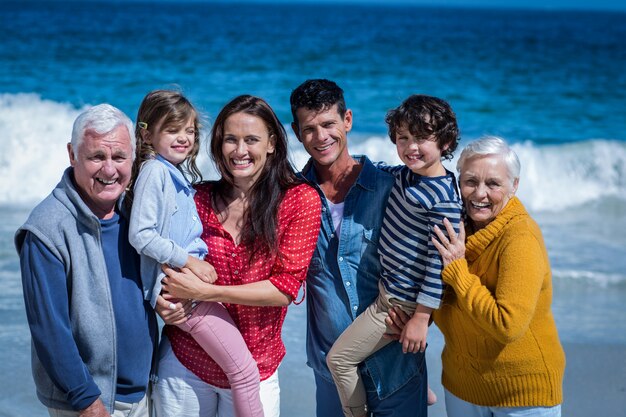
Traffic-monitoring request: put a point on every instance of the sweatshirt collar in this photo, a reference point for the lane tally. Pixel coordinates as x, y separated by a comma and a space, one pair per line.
477, 242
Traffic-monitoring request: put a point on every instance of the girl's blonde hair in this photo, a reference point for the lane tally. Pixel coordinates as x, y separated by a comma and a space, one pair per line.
164, 108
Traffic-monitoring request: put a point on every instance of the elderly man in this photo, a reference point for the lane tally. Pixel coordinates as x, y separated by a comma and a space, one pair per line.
93, 335
342, 280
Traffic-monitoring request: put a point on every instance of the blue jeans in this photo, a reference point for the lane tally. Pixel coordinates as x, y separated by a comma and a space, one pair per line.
456, 407
408, 401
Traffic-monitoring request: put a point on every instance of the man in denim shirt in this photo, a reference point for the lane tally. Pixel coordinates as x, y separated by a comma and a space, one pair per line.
343, 275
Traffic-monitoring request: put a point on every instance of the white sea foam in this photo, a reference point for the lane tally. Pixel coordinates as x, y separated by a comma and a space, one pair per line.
602, 279
553, 177
34, 137
35, 132
34, 155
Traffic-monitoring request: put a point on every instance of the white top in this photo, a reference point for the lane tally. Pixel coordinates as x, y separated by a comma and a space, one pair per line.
336, 212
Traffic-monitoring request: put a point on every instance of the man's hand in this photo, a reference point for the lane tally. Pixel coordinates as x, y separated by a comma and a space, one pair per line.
96, 409
173, 312
395, 321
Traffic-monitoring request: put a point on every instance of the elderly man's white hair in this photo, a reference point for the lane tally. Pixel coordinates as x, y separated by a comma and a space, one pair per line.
492, 145
102, 118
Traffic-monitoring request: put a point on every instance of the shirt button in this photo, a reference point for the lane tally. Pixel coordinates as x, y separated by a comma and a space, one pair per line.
195, 218
355, 308
235, 272
332, 236
347, 283
341, 259
323, 208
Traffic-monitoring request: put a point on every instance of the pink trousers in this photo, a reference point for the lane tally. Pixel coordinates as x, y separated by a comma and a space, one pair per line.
212, 327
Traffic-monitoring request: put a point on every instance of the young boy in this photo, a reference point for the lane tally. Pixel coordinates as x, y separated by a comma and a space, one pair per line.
424, 131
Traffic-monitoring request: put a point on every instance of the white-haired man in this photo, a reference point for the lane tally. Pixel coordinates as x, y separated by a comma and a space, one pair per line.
93, 334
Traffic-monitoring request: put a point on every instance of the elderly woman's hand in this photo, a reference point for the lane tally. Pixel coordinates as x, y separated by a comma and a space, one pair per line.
453, 248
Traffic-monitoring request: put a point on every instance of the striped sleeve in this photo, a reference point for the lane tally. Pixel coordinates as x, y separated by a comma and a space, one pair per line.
431, 291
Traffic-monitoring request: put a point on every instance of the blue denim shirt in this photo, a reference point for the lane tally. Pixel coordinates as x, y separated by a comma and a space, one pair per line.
343, 279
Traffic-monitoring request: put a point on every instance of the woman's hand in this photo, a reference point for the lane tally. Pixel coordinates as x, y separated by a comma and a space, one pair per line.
453, 248
185, 284
173, 312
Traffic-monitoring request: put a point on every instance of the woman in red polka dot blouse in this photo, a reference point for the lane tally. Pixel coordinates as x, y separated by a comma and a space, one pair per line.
260, 225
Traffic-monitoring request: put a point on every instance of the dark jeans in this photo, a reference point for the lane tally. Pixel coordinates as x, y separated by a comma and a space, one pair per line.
408, 401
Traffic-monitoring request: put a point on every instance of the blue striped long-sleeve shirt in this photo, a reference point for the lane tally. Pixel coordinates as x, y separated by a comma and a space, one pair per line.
411, 265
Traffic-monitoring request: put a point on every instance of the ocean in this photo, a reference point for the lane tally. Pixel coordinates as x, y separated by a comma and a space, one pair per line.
550, 82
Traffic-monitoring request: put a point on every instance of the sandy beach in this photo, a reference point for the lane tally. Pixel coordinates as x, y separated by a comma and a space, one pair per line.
594, 384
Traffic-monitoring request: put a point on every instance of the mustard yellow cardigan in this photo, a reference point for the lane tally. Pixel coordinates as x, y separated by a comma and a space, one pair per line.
501, 344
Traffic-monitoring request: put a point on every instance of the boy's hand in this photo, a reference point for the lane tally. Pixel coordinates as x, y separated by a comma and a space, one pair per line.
202, 269
413, 337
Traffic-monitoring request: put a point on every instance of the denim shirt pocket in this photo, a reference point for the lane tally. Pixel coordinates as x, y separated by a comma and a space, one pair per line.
367, 241
369, 261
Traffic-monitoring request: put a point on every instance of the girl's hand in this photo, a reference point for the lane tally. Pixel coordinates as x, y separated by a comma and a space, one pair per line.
453, 248
185, 284
201, 269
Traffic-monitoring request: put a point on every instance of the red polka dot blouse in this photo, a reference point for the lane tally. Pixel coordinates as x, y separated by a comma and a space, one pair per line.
298, 228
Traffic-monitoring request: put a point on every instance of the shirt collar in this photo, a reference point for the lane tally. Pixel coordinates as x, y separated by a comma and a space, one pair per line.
366, 179
176, 173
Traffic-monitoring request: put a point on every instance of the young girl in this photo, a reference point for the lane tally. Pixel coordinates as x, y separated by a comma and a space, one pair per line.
424, 130
165, 229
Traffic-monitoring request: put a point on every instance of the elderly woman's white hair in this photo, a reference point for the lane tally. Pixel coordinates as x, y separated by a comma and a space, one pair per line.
492, 145
102, 118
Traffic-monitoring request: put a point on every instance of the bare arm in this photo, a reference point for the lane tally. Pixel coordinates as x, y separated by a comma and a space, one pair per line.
184, 284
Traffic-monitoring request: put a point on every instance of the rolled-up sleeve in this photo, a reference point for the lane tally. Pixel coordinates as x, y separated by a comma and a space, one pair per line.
302, 214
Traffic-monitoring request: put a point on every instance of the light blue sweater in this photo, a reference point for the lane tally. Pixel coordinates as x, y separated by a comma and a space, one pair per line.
164, 225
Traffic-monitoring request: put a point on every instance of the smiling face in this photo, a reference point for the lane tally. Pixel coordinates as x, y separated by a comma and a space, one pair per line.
102, 168
324, 134
422, 155
486, 188
245, 148
174, 143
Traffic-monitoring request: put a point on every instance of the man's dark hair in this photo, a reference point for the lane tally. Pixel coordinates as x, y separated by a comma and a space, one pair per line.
426, 117
317, 95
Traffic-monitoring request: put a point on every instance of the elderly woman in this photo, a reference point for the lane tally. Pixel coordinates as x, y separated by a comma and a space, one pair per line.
502, 355
261, 225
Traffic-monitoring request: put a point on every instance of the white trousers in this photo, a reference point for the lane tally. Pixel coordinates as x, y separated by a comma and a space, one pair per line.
179, 392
